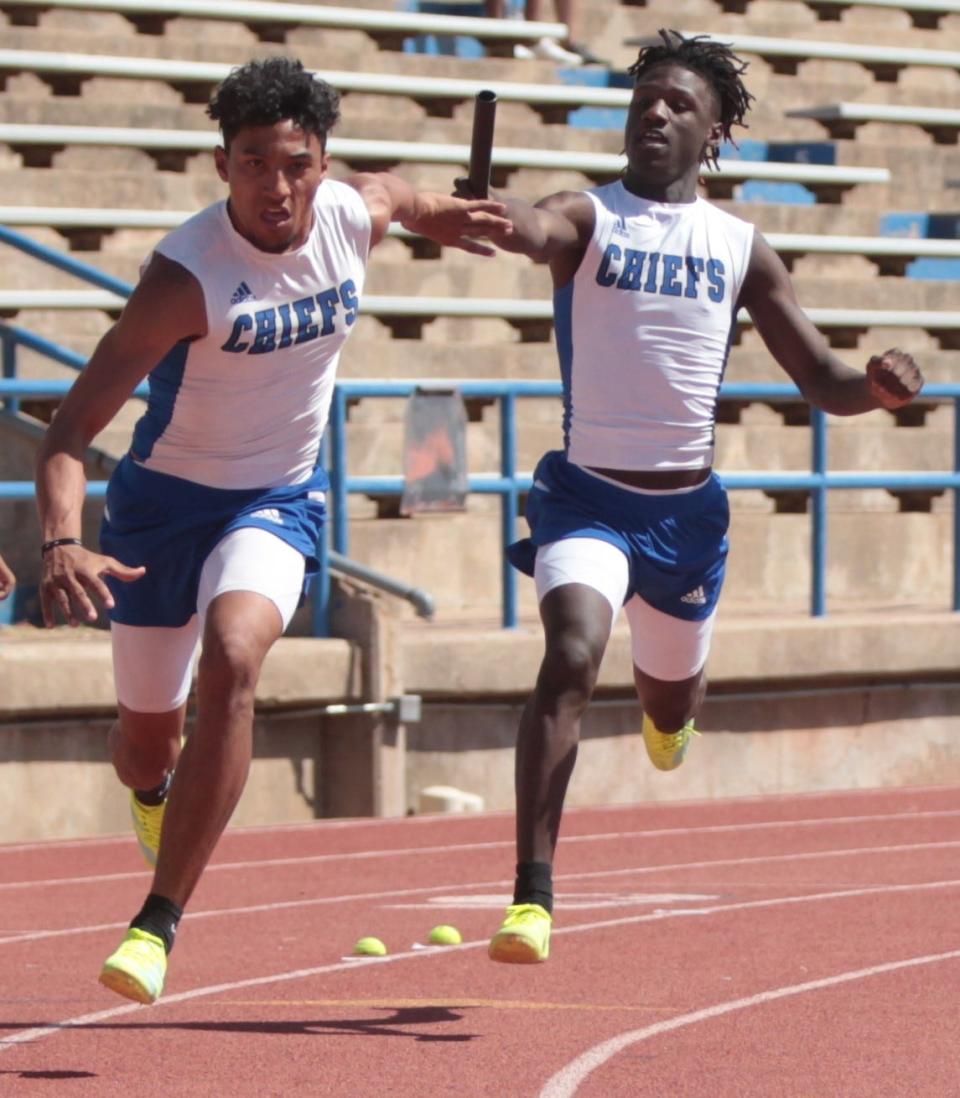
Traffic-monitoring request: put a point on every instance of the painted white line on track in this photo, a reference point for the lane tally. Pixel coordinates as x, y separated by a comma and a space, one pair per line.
352, 966
252, 909
322, 901
453, 848
320, 826
894, 793
567, 1081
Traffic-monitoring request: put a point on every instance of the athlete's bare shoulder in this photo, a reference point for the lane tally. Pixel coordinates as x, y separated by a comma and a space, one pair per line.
169, 294
573, 218
575, 206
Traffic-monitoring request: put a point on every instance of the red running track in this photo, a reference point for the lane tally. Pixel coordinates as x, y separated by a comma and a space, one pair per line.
802, 946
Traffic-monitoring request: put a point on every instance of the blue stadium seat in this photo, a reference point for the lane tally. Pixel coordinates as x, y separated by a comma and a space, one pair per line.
597, 118
934, 226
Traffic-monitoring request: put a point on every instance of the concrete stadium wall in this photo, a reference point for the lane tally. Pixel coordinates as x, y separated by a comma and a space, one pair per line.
782, 716
850, 738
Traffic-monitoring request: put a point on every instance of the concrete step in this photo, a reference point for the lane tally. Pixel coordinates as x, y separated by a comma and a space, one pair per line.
170, 191
858, 24
317, 50
155, 105
492, 281
769, 559
761, 441
494, 353
84, 185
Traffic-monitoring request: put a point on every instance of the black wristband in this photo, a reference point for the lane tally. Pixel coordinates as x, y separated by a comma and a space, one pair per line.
47, 545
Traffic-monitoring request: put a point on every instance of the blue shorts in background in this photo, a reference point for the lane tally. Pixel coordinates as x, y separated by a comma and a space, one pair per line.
170, 525
675, 542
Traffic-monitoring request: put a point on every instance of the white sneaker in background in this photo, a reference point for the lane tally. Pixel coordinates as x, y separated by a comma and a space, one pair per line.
548, 49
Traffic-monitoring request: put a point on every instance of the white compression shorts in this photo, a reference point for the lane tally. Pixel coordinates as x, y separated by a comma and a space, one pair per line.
663, 647
153, 666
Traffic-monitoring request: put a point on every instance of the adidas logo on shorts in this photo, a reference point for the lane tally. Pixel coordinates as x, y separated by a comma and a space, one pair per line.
696, 597
271, 514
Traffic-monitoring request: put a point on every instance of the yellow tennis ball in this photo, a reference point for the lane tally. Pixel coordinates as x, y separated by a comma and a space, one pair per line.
370, 947
445, 936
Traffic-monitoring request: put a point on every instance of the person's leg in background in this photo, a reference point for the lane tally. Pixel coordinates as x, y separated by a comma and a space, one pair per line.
545, 49
669, 658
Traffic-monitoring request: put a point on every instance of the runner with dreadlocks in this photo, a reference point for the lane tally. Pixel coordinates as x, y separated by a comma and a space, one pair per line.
648, 279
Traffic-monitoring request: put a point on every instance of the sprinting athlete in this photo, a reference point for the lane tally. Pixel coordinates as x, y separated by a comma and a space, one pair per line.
648, 279
213, 516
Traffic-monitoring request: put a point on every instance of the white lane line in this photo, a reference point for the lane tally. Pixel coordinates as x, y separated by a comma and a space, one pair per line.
892, 794
303, 973
414, 851
286, 905
348, 823
566, 1082
252, 909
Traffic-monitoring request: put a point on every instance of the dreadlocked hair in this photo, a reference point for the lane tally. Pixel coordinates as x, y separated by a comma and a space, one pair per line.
715, 62
262, 93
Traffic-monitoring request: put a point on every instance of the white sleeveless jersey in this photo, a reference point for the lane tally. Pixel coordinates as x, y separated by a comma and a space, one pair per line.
644, 329
246, 405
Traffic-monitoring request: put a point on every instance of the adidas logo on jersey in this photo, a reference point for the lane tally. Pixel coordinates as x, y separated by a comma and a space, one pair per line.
696, 597
242, 293
271, 514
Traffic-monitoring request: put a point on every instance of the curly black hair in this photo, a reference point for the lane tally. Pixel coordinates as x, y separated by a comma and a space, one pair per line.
261, 93
715, 62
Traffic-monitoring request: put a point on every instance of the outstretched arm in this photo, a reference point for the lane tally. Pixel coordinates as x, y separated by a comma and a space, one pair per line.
165, 308
891, 379
452, 221
555, 230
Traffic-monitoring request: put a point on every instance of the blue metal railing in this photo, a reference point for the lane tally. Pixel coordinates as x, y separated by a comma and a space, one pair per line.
63, 261
509, 485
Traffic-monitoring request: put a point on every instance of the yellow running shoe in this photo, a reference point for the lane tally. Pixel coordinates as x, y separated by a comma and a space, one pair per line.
147, 822
667, 749
138, 968
524, 938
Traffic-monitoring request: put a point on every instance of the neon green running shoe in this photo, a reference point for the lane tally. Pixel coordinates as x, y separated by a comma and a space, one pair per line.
667, 749
138, 968
524, 938
147, 822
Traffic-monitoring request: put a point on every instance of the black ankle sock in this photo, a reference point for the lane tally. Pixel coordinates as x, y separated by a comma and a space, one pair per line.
159, 916
534, 884
157, 795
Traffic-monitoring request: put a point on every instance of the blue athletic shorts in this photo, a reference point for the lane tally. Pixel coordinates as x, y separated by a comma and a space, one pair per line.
676, 543
170, 525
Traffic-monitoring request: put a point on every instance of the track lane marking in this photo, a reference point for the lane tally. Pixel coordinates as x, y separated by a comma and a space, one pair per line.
322, 901
566, 1082
891, 794
453, 848
356, 964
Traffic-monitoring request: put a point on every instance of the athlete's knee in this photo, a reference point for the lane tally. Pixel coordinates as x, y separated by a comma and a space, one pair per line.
230, 663
144, 747
569, 671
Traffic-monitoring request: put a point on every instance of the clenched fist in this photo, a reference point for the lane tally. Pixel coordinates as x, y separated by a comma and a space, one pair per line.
894, 378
